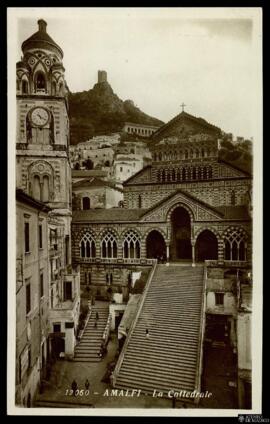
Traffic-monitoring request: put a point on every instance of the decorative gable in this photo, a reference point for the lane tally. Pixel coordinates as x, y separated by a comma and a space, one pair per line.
200, 212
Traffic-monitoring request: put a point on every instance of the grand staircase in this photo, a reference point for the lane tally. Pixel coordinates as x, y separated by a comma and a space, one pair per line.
169, 358
88, 348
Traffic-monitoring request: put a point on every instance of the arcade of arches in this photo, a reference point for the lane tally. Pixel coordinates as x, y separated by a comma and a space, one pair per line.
181, 245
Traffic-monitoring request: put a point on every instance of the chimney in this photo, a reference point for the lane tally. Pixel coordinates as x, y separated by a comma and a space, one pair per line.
42, 25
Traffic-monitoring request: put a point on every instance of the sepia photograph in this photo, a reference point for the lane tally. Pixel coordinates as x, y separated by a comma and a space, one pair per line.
135, 160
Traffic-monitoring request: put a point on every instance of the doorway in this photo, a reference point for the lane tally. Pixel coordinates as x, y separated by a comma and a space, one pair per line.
181, 235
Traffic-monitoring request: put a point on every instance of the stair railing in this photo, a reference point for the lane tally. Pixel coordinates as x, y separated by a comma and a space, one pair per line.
201, 336
106, 331
81, 333
133, 325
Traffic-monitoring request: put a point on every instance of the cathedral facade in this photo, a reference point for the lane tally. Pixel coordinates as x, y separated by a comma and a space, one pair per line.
188, 205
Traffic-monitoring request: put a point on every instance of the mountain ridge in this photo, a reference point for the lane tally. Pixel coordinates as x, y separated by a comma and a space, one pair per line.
100, 111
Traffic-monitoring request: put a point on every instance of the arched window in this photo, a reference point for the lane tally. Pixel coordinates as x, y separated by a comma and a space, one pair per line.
178, 175
61, 89
168, 175
36, 188
235, 245
233, 197
203, 153
160, 156
194, 173
210, 172
17, 85
199, 173
88, 246
86, 203
184, 174
189, 173
186, 154
163, 175
140, 201
53, 88
197, 153
109, 246
40, 81
45, 189
24, 87
173, 175
204, 173
131, 245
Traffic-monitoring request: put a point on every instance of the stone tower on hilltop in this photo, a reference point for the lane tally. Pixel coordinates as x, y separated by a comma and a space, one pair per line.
102, 76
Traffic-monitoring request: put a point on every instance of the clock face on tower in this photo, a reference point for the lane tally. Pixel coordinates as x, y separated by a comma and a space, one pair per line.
39, 116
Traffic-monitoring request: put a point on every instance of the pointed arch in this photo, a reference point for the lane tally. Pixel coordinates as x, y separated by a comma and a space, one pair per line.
131, 245
87, 246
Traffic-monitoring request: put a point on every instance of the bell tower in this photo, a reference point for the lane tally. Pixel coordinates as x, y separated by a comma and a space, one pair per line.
42, 144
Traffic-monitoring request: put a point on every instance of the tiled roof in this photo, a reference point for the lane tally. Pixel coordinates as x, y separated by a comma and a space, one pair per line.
234, 212
88, 173
108, 215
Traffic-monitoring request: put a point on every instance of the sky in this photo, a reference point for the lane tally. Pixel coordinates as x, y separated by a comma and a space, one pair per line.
207, 58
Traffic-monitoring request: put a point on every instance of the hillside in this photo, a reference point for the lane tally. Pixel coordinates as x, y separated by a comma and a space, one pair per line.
239, 156
100, 111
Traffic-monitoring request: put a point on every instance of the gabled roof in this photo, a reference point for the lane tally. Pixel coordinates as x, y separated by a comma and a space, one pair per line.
180, 117
235, 213
137, 173
95, 182
235, 167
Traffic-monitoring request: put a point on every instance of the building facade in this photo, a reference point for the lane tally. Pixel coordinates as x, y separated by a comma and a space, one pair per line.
48, 300
187, 205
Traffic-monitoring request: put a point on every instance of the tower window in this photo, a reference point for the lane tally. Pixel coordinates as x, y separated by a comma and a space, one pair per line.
41, 285
233, 197
26, 238
40, 236
40, 81
28, 296
24, 87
